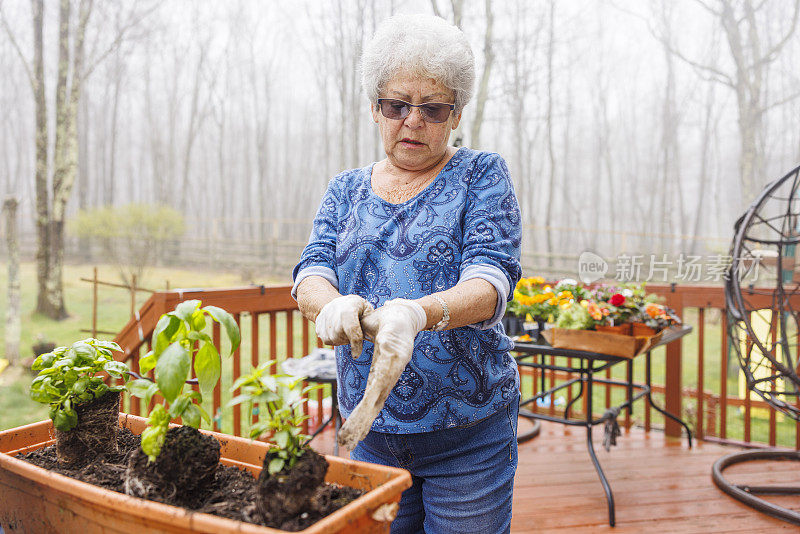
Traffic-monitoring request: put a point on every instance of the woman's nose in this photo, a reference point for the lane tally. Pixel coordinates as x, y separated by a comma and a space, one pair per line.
414, 118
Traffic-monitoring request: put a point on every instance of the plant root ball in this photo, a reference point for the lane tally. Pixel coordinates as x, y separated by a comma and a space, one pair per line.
289, 492
94, 435
187, 464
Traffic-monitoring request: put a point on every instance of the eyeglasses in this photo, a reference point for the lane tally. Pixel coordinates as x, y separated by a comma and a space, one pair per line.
430, 111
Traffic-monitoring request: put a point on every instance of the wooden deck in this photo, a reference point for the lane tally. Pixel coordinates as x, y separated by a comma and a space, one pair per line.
659, 485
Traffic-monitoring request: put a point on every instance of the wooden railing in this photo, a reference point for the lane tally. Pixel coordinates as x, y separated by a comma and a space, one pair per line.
687, 375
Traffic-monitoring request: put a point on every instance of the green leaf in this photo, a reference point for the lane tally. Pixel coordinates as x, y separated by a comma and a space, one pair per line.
281, 439
65, 419
39, 395
115, 368
237, 400
139, 387
185, 309
147, 362
172, 370
198, 320
240, 381
177, 408
226, 320
191, 416
110, 345
275, 465
152, 441
43, 362
199, 336
203, 413
80, 386
100, 390
83, 352
164, 332
207, 367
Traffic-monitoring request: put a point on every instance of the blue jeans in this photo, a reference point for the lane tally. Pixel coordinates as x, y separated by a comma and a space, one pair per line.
463, 477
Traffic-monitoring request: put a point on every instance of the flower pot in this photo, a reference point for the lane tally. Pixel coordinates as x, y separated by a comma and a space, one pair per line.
37, 500
641, 329
512, 325
621, 329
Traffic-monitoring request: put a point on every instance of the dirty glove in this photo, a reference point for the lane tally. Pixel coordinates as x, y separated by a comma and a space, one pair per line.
392, 328
339, 322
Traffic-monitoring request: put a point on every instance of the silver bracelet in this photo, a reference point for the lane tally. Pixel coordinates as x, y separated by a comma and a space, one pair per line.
442, 324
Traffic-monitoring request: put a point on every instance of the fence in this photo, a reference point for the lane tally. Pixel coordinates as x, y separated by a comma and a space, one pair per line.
697, 377
272, 246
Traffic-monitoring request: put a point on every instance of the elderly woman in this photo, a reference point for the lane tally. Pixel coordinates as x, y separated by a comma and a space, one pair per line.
419, 252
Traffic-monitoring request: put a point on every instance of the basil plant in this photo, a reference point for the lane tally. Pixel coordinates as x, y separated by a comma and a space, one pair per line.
70, 376
180, 343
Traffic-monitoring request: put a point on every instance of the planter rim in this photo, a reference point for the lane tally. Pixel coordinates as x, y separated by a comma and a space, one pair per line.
177, 516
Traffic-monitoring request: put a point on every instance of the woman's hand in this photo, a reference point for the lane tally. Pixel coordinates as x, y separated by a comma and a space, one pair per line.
339, 322
392, 328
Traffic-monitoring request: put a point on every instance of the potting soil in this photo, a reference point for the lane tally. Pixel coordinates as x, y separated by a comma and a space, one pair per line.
232, 493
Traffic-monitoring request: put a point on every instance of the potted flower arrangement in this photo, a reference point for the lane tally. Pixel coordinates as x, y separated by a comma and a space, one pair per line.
38, 500
579, 312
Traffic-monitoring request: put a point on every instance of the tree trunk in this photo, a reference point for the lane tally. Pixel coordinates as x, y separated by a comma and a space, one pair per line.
42, 190
483, 86
551, 159
13, 327
65, 161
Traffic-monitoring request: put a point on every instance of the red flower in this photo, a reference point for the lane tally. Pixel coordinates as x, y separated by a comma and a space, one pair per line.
616, 299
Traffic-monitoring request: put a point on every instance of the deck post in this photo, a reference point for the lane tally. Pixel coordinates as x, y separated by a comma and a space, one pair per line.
673, 402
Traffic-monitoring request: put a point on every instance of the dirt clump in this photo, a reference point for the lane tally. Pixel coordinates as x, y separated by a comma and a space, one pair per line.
94, 435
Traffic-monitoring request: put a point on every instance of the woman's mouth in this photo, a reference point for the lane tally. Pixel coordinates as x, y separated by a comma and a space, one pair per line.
410, 142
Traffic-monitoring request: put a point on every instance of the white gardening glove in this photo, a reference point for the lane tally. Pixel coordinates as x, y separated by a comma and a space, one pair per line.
339, 322
392, 328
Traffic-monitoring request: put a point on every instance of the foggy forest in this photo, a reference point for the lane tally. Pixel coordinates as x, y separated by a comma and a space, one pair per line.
629, 127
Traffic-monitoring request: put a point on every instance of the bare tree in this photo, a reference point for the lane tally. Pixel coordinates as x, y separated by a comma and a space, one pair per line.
753, 46
71, 74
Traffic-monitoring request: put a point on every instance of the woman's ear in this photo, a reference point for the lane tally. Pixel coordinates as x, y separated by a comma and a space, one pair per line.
373, 108
456, 120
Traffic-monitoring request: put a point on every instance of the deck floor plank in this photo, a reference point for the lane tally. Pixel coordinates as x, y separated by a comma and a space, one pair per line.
659, 485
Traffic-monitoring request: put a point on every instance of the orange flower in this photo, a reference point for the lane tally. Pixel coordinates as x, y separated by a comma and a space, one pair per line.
595, 311
653, 310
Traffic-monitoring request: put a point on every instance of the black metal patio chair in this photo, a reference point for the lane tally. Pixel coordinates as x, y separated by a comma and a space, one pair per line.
764, 325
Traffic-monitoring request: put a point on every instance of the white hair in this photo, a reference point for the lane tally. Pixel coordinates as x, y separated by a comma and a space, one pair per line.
419, 44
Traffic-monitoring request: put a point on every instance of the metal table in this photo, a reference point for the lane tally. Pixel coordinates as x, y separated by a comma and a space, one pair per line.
589, 364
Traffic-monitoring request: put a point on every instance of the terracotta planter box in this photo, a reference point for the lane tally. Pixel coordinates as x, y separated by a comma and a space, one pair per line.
621, 329
601, 342
34, 500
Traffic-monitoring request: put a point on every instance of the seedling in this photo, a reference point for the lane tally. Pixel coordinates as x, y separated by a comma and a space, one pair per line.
180, 343
280, 400
70, 376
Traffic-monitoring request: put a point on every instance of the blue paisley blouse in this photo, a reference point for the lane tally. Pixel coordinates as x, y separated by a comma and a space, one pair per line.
465, 224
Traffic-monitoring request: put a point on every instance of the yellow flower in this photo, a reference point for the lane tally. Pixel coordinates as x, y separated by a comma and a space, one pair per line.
536, 280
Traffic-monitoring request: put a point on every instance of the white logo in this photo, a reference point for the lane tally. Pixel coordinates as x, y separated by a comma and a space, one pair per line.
591, 267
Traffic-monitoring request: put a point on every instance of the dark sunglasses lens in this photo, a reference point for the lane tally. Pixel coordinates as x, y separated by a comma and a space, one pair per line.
435, 112
394, 109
